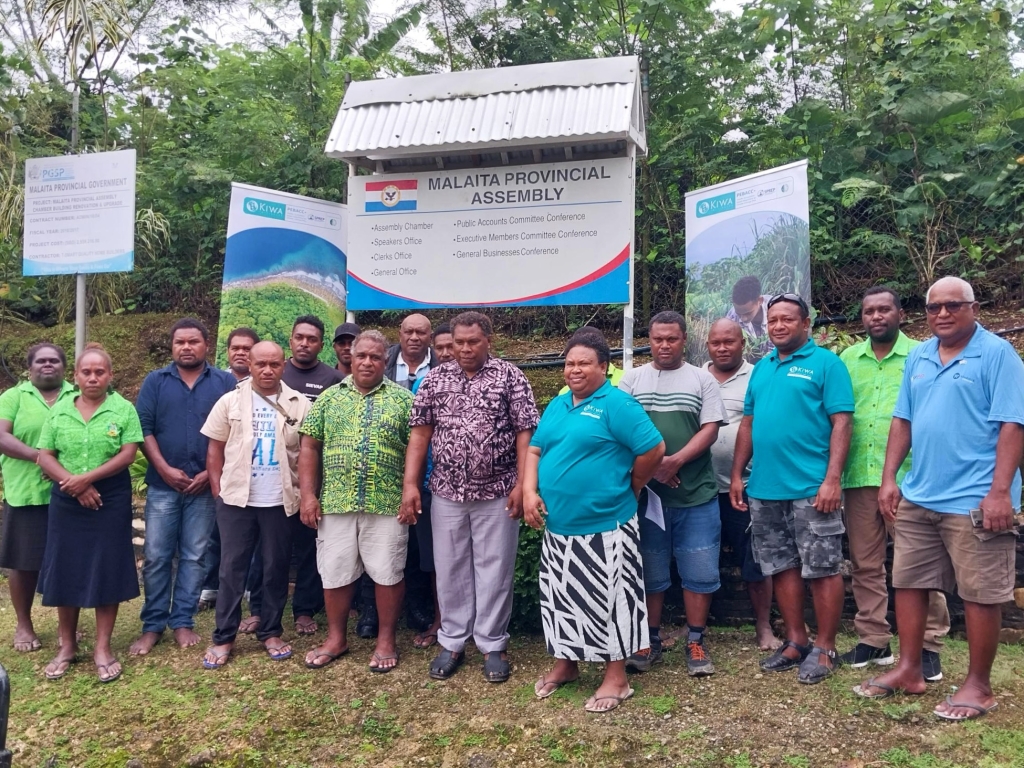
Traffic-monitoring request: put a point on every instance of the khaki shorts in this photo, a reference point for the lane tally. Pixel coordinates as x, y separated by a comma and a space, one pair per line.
944, 551
349, 544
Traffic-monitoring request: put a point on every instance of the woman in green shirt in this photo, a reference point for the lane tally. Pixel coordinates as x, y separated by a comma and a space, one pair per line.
87, 445
23, 411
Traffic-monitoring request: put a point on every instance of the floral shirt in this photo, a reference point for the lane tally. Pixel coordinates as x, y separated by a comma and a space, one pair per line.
475, 422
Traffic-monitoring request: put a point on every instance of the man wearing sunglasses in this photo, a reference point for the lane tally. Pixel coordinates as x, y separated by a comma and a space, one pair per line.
961, 408
796, 425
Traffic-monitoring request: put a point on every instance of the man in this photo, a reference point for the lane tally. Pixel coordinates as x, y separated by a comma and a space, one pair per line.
614, 375
876, 368
961, 408
253, 469
796, 426
240, 344
682, 516
173, 404
306, 374
477, 414
732, 372
444, 344
411, 358
344, 335
358, 431
750, 310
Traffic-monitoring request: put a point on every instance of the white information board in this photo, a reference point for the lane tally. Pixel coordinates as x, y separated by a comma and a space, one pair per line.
559, 233
80, 214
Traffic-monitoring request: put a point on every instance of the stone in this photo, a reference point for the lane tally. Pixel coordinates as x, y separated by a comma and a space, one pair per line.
1011, 636
133, 763
200, 759
1018, 597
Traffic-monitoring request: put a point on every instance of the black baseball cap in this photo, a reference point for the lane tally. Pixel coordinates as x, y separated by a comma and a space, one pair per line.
346, 329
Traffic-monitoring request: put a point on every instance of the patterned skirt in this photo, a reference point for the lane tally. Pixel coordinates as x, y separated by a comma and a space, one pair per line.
592, 598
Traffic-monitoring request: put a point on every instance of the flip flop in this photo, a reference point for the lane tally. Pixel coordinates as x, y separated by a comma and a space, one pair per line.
101, 668
979, 710
308, 627
419, 640
249, 626
61, 673
331, 658
27, 646
383, 670
589, 706
218, 664
279, 653
887, 690
543, 683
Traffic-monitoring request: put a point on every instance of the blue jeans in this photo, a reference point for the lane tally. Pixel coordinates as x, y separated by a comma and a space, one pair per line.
176, 524
694, 536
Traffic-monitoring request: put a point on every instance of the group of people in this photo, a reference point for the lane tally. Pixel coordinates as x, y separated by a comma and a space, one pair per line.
279, 462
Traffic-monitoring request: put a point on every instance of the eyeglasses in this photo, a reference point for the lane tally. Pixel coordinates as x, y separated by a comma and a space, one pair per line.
791, 297
952, 307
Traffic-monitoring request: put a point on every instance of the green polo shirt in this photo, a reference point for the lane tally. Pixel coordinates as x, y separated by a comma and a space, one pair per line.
587, 451
364, 440
25, 408
792, 401
82, 446
876, 384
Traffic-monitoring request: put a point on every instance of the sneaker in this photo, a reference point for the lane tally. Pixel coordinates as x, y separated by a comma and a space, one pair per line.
698, 662
644, 659
864, 654
931, 666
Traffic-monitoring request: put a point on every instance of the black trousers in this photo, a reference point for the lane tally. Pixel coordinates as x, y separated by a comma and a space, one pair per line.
308, 597
241, 530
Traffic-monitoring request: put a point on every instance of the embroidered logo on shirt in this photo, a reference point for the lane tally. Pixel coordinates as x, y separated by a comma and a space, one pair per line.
111, 429
800, 373
592, 411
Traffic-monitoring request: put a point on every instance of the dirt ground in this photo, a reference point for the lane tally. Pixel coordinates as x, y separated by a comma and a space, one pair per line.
167, 711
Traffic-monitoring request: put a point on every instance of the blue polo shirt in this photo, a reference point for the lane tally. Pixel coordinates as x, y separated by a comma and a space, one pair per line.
586, 460
174, 414
955, 412
792, 401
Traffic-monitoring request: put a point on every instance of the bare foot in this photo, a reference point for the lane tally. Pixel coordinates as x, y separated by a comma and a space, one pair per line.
896, 680
766, 639
25, 640
249, 625
144, 644
186, 637
305, 625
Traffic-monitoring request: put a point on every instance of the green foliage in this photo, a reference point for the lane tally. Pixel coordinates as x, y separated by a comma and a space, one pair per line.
526, 598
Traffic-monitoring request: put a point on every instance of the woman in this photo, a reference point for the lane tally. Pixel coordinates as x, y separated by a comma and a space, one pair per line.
593, 451
23, 411
87, 445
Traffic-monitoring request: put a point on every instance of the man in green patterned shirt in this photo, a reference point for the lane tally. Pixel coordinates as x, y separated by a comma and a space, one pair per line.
358, 432
876, 369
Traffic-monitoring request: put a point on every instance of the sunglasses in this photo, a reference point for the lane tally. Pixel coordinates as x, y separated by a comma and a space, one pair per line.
790, 297
952, 307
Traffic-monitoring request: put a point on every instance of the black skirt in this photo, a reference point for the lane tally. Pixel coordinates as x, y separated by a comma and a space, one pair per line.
23, 539
89, 558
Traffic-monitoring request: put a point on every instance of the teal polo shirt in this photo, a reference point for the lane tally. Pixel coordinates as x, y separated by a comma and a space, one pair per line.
587, 453
955, 412
792, 401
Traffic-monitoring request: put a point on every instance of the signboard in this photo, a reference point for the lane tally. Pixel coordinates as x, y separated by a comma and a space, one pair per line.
559, 233
746, 241
285, 257
80, 214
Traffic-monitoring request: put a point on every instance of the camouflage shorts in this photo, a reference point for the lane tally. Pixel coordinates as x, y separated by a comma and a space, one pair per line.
793, 534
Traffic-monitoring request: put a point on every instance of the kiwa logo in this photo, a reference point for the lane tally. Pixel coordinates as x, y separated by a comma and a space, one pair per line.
709, 206
256, 207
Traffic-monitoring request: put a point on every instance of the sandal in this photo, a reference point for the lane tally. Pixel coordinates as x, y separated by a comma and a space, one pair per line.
540, 685
779, 662
377, 668
101, 669
812, 671
59, 673
979, 710
446, 664
887, 691
249, 625
280, 652
496, 669
27, 646
307, 627
331, 658
425, 639
216, 663
591, 705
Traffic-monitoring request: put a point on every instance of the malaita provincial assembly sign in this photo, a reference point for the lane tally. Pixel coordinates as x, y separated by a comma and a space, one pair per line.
559, 233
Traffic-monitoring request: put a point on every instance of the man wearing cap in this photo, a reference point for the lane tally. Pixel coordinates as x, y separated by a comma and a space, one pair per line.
344, 334
796, 425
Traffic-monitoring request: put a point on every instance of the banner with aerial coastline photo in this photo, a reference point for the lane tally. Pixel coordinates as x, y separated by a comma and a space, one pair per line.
285, 257
746, 240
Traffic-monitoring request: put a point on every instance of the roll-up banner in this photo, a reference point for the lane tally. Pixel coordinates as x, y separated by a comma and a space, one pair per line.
547, 234
285, 257
746, 240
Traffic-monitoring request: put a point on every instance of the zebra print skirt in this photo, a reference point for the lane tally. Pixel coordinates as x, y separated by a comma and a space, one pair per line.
592, 595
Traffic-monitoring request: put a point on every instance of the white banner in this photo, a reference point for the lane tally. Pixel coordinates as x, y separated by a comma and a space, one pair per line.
80, 214
746, 240
558, 233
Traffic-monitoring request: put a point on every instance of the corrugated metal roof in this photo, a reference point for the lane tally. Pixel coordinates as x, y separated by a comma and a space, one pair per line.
566, 103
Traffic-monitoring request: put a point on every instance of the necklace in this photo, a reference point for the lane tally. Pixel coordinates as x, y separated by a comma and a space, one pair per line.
50, 400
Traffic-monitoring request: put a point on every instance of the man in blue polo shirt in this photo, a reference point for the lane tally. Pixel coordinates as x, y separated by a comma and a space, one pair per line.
173, 405
796, 425
961, 407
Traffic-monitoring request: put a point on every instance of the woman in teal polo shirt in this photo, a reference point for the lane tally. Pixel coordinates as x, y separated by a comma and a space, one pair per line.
23, 410
88, 443
593, 451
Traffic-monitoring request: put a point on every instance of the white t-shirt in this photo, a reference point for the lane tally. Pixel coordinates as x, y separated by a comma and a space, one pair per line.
265, 488
734, 390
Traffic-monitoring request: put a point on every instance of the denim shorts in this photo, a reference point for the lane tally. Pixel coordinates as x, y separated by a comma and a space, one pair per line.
793, 534
694, 536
